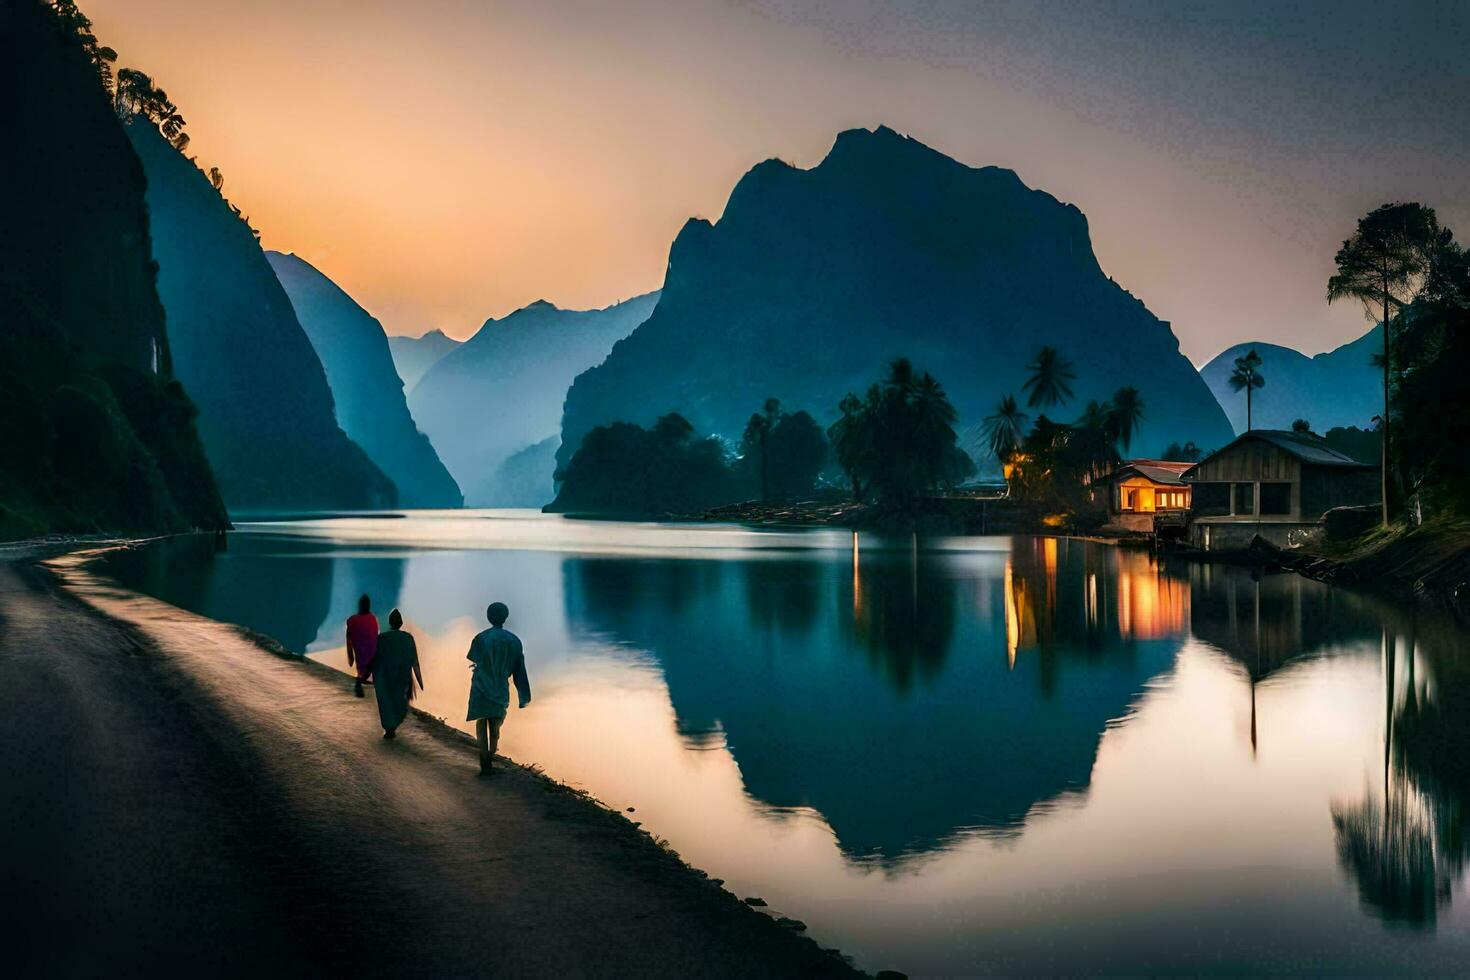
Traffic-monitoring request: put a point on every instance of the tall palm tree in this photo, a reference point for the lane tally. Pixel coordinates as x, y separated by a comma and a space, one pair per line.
1050, 376
1125, 414
1382, 266
1247, 377
933, 430
1005, 429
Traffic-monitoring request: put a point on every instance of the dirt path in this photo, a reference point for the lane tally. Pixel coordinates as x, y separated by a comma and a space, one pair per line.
174, 795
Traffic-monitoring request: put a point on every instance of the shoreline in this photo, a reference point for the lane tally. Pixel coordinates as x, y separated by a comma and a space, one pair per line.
649, 864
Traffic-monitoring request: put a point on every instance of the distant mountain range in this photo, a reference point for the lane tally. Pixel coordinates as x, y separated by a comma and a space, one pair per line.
1338, 388
501, 391
365, 386
413, 356
266, 413
813, 280
98, 434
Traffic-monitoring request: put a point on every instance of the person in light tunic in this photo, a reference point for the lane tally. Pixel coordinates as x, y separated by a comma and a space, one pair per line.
496, 658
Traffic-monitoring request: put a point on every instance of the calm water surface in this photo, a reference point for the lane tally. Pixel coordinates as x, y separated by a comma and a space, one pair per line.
946, 756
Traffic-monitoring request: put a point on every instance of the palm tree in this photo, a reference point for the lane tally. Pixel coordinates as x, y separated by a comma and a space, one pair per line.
847, 436
1125, 415
1050, 374
933, 430
1247, 377
1005, 429
1382, 266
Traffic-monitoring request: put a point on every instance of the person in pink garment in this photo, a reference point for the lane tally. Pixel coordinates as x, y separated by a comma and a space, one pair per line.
362, 641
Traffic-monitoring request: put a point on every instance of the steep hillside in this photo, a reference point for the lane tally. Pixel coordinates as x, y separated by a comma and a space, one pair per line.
265, 411
366, 388
813, 279
97, 434
502, 390
413, 356
1338, 388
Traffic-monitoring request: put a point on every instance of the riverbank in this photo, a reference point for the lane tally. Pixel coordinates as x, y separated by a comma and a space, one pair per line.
957, 513
1431, 562
177, 795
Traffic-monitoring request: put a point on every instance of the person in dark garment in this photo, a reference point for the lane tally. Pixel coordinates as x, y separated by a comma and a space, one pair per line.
496, 656
362, 641
395, 668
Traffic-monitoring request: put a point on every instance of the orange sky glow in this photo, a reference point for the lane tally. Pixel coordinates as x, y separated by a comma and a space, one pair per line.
449, 161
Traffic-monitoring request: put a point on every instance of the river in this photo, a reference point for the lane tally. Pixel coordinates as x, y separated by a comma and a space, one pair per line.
949, 755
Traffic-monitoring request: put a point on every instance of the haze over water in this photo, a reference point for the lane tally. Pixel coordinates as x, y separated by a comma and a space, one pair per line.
948, 755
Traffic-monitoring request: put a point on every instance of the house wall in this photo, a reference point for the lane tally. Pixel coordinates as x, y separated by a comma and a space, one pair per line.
1253, 462
1326, 487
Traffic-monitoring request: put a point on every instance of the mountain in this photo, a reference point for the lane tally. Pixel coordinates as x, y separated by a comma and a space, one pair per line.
1338, 388
413, 356
265, 410
501, 391
368, 393
814, 279
98, 435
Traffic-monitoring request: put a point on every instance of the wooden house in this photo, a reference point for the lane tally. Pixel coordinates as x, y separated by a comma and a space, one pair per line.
1273, 484
1140, 490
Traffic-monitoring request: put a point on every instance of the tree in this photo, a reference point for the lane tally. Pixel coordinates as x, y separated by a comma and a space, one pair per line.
796, 450
217, 179
78, 26
136, 95
1247, 377
1048, 384
1125, 413
1382, 266
850, 438
1301, 426
754, 441
1187, 453
899, 440
1005, 429
1431, 349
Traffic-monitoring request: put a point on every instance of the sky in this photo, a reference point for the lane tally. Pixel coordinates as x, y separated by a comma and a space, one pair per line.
445, 161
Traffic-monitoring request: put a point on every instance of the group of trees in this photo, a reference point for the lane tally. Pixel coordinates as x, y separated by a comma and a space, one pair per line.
133, 93
1049, 462
899, 441
671, 469
891, 446
1429, 409
781, 454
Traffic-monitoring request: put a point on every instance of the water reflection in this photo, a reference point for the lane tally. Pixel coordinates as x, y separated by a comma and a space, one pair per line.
945, 754
891, 701
1407, 844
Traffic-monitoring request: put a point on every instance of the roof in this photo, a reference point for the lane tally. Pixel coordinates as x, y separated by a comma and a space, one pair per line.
1305, 446
1165, 471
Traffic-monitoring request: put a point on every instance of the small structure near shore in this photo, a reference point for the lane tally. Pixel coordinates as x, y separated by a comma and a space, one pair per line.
1272, 484
1140, 490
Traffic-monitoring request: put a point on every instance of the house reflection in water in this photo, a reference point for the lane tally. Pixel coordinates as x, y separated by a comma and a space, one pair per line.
1078, 589
874, 687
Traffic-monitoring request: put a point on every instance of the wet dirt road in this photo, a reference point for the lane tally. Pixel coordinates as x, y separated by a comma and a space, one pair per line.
174, 796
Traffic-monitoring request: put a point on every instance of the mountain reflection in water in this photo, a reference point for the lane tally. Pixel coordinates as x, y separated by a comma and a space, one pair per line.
875, 728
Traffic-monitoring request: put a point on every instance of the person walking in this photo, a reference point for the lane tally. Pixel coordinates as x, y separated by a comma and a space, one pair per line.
496, 656
395, 666
362, 641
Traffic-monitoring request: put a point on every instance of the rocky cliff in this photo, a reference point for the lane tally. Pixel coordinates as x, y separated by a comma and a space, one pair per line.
813, 279
365, 386
98, 435
265, 411
502, 390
